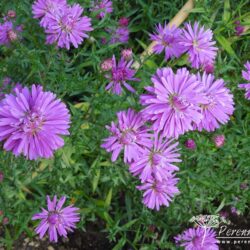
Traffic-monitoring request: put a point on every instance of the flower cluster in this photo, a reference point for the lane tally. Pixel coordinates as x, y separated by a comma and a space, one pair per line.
31, 122
56, 220
196, 41
246, 76
198, 239
9, 31
63, 24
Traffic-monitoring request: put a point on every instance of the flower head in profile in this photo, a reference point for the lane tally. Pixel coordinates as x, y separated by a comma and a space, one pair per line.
32, 122
121, 72
199, 44
157, 194
173, 102
103, 7
157, 162
129, 134
119, 35
9, 32
219, 106
56, 219
68, 27
246, 76
198, 239
167, 39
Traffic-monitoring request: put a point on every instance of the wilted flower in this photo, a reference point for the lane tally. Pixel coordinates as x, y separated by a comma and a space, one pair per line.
156, 162
190, 144
103, 7
67, 27
198, 239
8, 32
157, 194
129, 135
119, 35
127, 54
56, 220
167, 39
199, 44
31, 122
119, 75
11, 14
123, 21
107, 64
246, 76
219, 140
219, 106
173, 102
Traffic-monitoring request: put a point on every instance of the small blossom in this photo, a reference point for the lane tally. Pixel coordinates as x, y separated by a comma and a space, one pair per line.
127, 54
198, 239
246, 76
123, 21
11, 14
190, 144
167, 39
121, 73
239, 29
103, 7
56, 220
209, 68
199, 44
157, 194
119, 35
107, 64
219, 140
129, 134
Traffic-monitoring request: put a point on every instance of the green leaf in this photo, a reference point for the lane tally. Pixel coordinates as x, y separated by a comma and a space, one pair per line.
108, 198
226, 45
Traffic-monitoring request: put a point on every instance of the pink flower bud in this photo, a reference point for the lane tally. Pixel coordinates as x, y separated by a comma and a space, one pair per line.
107, 64
11, 14
209, 68
12, 35
190, 144
5, 221
127, 54
123, 21
219, 140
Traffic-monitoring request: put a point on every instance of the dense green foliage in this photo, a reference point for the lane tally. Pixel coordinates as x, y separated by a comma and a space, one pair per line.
210, 177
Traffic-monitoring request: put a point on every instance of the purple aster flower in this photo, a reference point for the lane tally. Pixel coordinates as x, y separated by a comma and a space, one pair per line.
158, 193
103, 7
129, 135
8, 32
56, 220
173, 102
219, 140
41, 8
198, 239
199, 44
156, 162
119, 75
190, 144
31, 122
246, 76
120, 35
167, 39
219, 104
68, 27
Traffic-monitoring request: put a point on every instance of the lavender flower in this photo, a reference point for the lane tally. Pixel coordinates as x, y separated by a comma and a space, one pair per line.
103, 7
190, 144
56, 220
167, 39
119, 75
129, 135
173, 102
9, 32
156, 162
198, 239
157, 194
119, 35
199, 44
246, 76
219, 104
31, 122
68, 27
219, 140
